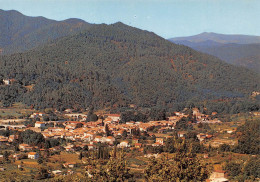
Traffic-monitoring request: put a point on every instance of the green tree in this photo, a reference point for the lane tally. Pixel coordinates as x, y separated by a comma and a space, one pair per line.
233, 168
40, 161
6, 156
182, 167
116, 169
124, 134
85, 148
80, 155
224, 148
252, 168
42, 174
31, 137
91, 116
244, 171
249, 137
107, 131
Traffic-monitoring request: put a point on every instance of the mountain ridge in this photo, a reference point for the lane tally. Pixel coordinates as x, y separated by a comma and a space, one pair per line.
239, 54
115, 65
220, 38
20, 33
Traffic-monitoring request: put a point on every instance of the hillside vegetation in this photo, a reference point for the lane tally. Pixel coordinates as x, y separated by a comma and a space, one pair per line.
115, 65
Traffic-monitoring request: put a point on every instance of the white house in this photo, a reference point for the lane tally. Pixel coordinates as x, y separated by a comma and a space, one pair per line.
24, 147
114, 117
160, 141
86, 138
98, 139
68, 111
70, 165
39, 124
6, 81
17, 156
70, 147
217, 177
229, 131
124, 144
110, 139
33, 155
56, 172
181, 134
91, 135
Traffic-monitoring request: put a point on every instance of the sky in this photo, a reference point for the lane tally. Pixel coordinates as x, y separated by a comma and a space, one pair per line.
167, 18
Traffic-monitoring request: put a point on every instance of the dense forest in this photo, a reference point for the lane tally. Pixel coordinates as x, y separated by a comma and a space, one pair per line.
249, 137
117, 65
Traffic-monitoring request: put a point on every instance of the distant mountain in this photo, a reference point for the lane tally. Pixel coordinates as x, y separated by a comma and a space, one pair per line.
117, 65
246, 55
204, 44
220, 38
20, 33
251, 62
240, 50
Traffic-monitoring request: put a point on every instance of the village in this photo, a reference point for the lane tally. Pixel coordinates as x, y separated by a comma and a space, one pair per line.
88, 133
74, 136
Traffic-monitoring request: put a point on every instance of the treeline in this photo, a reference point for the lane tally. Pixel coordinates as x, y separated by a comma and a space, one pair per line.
244, 171
228, 106
177, 144
249, 137
154, 114
32, 138
183, 166
223, 109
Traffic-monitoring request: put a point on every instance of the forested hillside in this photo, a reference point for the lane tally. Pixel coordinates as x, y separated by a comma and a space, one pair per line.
20, 33
115, 65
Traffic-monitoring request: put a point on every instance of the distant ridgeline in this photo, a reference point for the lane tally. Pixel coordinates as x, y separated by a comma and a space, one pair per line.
240, 50
117, 65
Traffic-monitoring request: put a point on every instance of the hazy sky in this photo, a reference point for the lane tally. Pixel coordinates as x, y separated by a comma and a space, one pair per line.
167, 18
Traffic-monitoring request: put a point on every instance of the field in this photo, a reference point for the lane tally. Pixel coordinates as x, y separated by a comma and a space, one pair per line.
12, 173
16, 111
30, 167
65, 157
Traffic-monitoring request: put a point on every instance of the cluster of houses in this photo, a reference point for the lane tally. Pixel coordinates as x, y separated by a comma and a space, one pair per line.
93, 132
203, 137
90, 131
10, 139
203, 118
